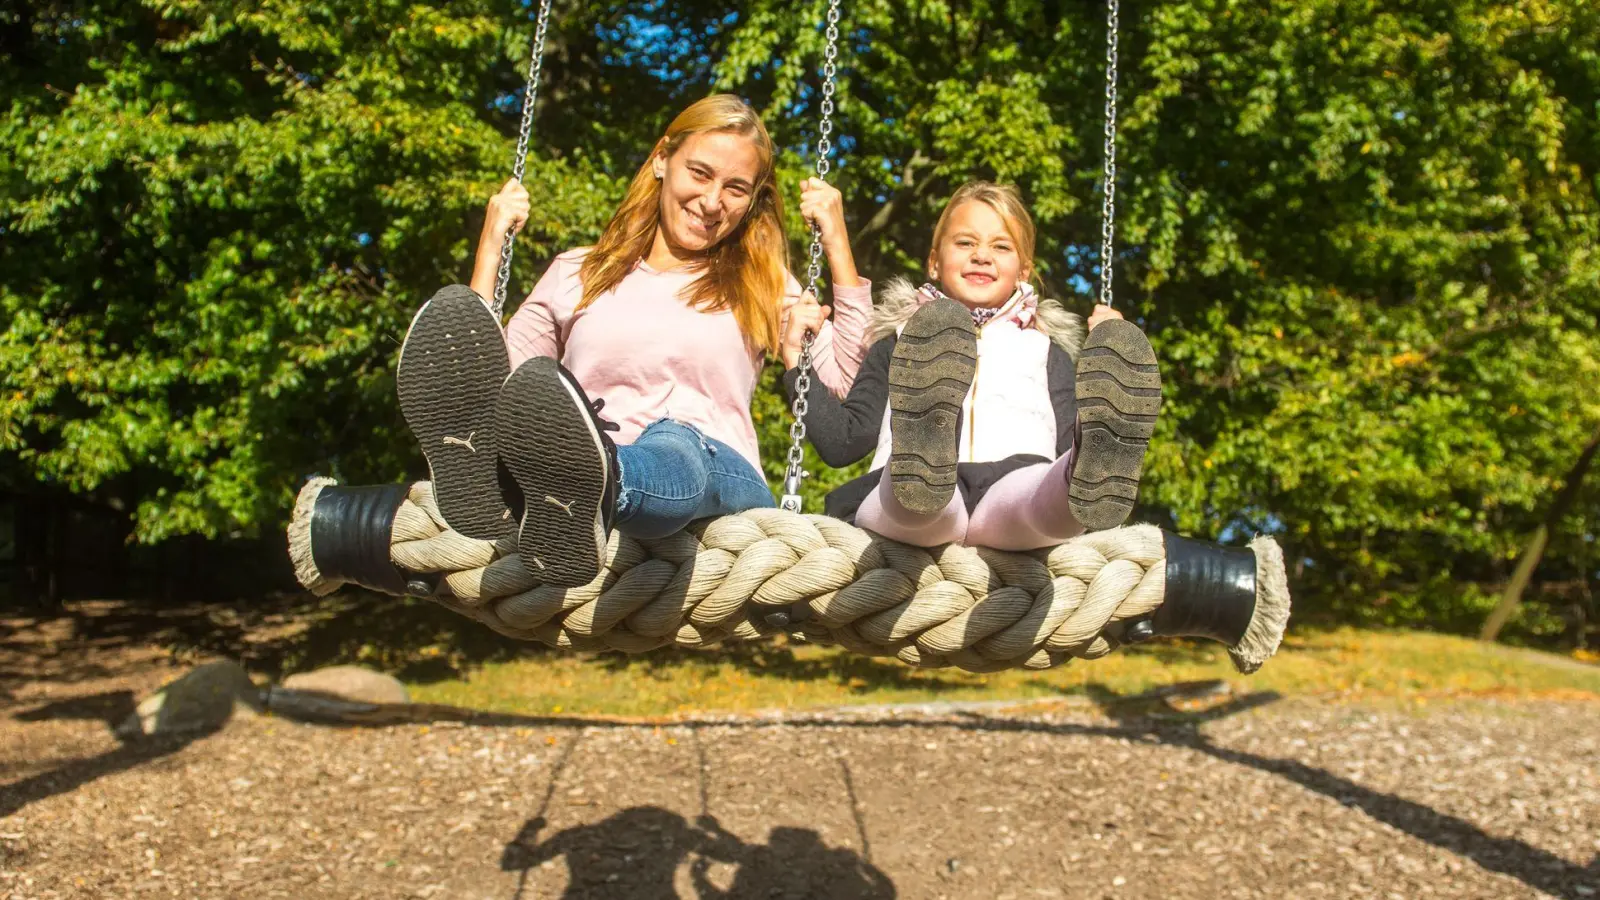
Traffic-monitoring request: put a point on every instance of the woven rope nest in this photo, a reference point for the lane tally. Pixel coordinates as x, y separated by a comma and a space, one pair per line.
765, 571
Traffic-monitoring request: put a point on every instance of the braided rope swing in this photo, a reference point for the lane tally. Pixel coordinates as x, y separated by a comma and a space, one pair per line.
766, 571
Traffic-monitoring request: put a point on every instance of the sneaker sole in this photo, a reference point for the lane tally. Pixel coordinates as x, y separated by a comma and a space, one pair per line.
1119, 400
552, 450
930, 373
452, 364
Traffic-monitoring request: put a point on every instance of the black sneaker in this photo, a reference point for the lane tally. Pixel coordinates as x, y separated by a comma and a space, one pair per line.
452, 364
1119, 399
930, 373
553, 444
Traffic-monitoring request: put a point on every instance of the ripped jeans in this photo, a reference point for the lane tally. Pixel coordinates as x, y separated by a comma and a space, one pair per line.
673, 475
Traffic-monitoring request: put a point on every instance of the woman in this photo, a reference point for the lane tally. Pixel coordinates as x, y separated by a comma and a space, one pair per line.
665, 321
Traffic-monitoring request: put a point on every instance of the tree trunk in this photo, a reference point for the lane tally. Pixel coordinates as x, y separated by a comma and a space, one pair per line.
1535, 549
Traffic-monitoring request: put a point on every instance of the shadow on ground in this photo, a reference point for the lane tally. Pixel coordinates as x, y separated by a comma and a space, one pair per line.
109, 708
415, 640
638, 851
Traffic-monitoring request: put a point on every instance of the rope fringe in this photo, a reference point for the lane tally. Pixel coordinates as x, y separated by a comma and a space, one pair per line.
305, 565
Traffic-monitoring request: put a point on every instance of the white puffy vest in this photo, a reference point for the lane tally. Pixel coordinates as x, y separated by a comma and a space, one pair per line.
1008, 409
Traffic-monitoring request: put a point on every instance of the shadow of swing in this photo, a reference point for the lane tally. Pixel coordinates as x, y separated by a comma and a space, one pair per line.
110, 708
637, 853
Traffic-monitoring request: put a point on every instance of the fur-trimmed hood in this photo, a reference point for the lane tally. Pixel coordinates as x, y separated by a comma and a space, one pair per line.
899, 299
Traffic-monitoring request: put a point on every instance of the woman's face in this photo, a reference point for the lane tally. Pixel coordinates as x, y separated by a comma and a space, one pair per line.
706, 188
976, 261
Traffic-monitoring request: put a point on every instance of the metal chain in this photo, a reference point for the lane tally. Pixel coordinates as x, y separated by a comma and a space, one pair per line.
1108, 216
535, 67
824, 144
795, 474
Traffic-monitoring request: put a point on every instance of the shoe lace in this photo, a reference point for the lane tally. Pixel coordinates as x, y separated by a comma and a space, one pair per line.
605, 424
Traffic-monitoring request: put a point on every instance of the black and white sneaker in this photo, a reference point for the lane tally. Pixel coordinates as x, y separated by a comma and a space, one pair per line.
554, 445
452, 364
1119, 400
930, 373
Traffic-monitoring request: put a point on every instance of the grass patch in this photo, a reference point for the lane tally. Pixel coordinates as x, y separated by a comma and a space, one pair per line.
1339, 664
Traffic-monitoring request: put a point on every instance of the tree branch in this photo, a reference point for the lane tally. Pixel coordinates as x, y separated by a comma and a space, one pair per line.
911, 190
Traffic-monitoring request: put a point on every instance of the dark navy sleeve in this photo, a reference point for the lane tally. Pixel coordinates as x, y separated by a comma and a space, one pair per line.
845, 431
1060, 374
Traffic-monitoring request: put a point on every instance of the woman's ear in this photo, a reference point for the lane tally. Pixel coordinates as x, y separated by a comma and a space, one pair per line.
933, 267
658, 164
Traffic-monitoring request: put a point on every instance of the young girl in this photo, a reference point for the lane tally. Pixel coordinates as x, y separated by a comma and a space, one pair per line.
665, 321
997, 423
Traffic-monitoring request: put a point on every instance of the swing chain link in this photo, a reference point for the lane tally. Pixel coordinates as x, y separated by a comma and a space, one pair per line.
795, 473
1108, 216
535, 68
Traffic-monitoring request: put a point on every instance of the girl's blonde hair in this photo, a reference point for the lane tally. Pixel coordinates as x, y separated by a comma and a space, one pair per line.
1006, 201
745, 272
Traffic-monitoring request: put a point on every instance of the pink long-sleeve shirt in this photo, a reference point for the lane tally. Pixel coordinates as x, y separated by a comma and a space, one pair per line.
651, 355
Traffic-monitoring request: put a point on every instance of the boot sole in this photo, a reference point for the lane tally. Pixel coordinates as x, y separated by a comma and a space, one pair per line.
930, 373
452, 364
553, 451
1119, 400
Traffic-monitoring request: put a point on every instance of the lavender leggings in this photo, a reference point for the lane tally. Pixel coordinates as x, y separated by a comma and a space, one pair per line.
1025, 510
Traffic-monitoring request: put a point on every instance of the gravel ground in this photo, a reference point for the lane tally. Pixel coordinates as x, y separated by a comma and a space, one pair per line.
1257, 797
1481, 800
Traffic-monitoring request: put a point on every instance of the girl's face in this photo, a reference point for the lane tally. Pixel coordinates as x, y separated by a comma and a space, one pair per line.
706, 188
976, 260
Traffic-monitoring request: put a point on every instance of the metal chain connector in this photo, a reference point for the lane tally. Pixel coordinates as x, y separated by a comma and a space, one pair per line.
795, 473
1108, 217
535, 67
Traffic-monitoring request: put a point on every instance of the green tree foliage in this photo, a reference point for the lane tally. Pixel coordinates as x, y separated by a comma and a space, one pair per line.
1362, 236
220, 218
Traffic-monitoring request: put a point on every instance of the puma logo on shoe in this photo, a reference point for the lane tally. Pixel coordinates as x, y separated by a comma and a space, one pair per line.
447, 380
561, 463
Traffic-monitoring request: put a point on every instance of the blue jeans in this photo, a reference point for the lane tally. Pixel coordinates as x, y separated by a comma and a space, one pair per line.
673, 475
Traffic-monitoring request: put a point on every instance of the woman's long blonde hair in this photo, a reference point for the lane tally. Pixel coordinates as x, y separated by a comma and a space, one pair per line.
745, 272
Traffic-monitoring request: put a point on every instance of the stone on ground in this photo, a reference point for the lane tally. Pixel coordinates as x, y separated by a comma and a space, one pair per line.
354, 683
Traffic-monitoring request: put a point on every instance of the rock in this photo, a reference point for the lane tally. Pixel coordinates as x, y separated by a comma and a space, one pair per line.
204, 699
350, 683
